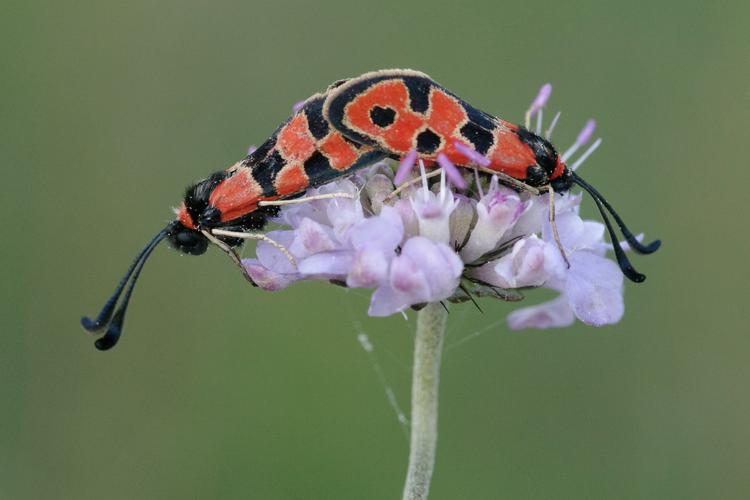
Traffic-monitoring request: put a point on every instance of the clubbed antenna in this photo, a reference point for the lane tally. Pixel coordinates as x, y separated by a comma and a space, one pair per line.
109, 317
629, 237
622, 260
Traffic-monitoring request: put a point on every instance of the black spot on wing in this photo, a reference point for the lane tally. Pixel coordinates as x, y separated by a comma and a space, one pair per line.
315, 122
260, 153
427, 142
336, 103
418, 87
480, 138
318, 169
419, 92
265, 172
479, 117
544, 152
382, 117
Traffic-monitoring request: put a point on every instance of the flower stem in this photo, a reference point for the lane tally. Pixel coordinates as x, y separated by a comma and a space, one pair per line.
428, 347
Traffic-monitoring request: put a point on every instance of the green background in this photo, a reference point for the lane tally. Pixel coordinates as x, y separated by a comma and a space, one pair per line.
218, 390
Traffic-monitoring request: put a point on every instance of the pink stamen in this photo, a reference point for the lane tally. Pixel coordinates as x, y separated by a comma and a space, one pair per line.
548, 134
541, 99
471, 154
451, 171
586, 132
404, 167
479, 183
583, 137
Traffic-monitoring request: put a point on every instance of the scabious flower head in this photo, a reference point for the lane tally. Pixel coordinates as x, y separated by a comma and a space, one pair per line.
446, 238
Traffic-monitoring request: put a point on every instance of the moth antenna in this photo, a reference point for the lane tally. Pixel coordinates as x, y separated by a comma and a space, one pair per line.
629, 237
622, 259
105, 314
108, 316
112, 335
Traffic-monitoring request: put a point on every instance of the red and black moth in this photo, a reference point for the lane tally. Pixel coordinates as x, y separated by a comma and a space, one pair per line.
353, 124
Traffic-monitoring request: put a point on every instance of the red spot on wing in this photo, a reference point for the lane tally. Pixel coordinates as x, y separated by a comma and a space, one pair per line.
444, 117
236, 196
291, 179
399, 135
341, 154
510, 155
559, 169
184, 217
295, 143
445, 114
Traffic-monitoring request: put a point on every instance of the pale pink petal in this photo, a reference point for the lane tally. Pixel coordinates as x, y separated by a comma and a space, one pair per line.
594, 289
553, 314
406, 277
369, 269
497, 212
267, 279
271, 257
592, 235
383, 232
453, 264
439, 267
386, 301
408, 217
526, 265
310, 238
326, 264
570, 227
433, 213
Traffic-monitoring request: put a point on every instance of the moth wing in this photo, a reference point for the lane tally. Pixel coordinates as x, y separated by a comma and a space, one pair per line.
400, 110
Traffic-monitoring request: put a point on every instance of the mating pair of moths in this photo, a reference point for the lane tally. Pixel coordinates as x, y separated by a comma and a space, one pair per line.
353, 124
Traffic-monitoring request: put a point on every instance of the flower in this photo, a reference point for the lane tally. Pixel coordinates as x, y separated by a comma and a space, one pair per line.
427, 243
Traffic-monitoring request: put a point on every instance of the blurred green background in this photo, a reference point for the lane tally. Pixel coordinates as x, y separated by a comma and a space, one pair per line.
217, 390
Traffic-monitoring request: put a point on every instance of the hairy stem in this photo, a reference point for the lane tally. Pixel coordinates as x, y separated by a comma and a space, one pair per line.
428, 348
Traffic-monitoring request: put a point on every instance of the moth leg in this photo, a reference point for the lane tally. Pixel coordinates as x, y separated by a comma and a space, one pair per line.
408, 183
305, 199
230, 252
248, 236
508, 180
553, 225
